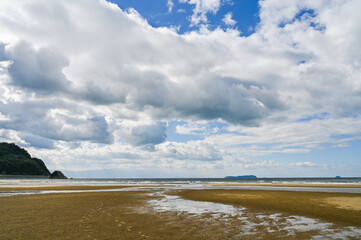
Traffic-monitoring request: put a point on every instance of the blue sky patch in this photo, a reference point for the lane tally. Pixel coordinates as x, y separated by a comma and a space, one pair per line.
322, 115
245, 13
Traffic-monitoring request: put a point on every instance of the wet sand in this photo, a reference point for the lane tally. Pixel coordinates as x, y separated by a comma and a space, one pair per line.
337, 208
128, 215
39, 186
47, 187
336, 185
105, 215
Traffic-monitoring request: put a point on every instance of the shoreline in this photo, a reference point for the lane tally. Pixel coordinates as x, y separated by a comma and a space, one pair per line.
17, 186
265, 214
50, 187
317, 185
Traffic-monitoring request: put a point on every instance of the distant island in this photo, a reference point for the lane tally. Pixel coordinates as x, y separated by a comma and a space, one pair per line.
244, 176
15, 160
57, 175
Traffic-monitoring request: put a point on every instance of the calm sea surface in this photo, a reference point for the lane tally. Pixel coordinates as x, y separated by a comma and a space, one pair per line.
198, 183
191, 181
222, 180
222, 212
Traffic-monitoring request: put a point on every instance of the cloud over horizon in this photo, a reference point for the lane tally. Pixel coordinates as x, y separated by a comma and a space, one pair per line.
89, 76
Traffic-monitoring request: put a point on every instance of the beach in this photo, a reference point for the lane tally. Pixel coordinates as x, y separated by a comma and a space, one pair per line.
155, 211
180, 119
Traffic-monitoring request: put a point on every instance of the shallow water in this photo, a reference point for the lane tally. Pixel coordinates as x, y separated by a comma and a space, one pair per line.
248, 222
188, 186
186, 181
30, 192
194, 183
245, 221
175, 203
297, 189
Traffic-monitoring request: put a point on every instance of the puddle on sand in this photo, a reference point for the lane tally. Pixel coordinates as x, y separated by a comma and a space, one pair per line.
10, 193
305, 224
32, 192
175, 203
249, 222
343, 233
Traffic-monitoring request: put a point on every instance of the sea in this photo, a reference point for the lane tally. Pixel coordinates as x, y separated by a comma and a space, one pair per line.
206, 183
302, 180
315, 180
163, 202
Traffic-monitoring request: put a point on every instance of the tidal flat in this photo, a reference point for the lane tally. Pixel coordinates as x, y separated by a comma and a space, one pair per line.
161, 212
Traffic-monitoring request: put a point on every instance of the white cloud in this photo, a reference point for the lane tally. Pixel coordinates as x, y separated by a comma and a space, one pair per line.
11, 136
201, 9
170, 5
39, 70
228, 20
288, 137
182, 129
304, 164
82, 73
196, 128
191, 151
144, 134
4, 117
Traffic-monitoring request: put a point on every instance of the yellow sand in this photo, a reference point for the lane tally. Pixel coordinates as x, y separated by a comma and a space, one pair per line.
111, 215
349, 203
126, 215
338, 208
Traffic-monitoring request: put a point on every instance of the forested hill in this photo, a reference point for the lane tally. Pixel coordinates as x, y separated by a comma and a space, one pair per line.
15, 160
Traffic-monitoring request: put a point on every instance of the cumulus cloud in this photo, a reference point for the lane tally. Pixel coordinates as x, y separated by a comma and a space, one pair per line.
228, 20
38, 142
127, 73
148, 134
38, 70
201, 9
288, 137
194, 150
11, 136
39, 117
119, 160
86, 72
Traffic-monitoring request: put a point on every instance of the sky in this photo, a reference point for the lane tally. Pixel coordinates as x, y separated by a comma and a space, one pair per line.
183, 88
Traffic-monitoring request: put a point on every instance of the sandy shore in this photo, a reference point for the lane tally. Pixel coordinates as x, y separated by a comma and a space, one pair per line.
128, 215
44, 187
101, 215
23, 186
338, 208
336, 185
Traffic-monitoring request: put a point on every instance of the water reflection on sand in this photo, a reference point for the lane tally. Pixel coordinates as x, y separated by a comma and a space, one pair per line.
250, 223
235, 219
